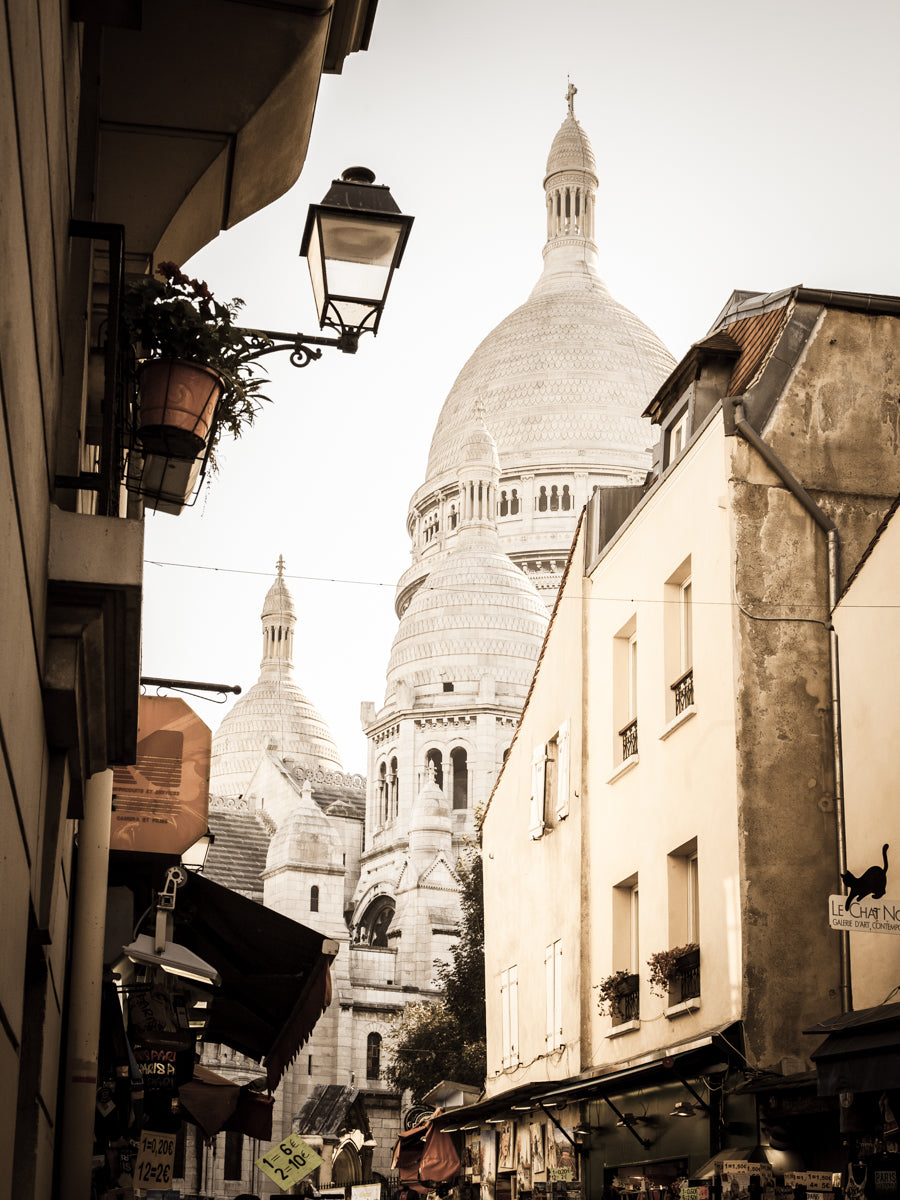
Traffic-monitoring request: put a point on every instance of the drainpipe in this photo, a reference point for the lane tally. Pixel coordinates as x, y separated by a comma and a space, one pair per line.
76, 1146
749, 434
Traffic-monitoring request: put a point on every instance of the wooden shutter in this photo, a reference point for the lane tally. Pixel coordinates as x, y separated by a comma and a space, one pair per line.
538, 783
562, 772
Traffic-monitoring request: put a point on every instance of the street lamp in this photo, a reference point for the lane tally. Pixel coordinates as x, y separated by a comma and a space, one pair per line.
353, 242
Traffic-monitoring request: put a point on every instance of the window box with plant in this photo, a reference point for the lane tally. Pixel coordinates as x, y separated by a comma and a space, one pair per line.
196, 374
620, 997
675, 973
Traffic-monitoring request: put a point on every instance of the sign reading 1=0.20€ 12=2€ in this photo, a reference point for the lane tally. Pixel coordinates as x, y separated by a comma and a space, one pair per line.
155, 1160
289, 1161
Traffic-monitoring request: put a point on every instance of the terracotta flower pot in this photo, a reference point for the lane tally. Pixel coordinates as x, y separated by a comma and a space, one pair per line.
178, 400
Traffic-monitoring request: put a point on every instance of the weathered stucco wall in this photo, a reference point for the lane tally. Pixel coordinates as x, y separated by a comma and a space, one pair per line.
836, 429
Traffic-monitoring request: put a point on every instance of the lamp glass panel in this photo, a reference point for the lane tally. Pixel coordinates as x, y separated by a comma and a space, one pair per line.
359, 256
316, 272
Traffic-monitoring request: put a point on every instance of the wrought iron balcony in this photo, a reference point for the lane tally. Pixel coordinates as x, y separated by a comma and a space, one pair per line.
684, 691
628, 1001
685, 983
629, 740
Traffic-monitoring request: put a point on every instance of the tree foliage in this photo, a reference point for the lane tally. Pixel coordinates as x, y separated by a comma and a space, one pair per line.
445, 1038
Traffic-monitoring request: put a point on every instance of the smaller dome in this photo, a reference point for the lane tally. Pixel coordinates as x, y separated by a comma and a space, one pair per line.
479, 448
430, 809
305, 840
278, 601
571, 150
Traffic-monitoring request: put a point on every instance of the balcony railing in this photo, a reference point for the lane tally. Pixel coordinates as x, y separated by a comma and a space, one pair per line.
685, 983
628, 1001
684, 691
629, 740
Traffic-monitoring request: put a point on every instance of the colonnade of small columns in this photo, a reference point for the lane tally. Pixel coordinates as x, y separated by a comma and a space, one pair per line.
570, 211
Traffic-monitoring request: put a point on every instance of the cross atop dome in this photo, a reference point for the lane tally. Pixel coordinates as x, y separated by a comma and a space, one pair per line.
571, 92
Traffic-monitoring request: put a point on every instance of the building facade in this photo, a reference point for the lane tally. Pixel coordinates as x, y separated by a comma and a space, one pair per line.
547, 407
85, 126
675, 795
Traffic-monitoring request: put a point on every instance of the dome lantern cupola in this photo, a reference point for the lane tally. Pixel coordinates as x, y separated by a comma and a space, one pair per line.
278, 621
479, 476
571, 180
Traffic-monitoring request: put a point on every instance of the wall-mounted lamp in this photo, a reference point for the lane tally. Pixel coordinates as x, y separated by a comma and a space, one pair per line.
353, 242
159, 950
172, 957
520, 1108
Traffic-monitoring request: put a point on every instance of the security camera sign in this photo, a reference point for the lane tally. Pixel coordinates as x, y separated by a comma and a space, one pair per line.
289, 1162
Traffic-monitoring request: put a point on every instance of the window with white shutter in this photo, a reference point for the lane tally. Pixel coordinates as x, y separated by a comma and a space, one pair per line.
509, 1016
562, 772
553, 980
538, 787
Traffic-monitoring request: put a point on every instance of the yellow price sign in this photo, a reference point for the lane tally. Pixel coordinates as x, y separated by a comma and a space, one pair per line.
155, 1160
289, 1161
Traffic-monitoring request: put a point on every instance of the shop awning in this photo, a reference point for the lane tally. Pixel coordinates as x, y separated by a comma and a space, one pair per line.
275, 972
861, 1052
216, 1103
424, 1156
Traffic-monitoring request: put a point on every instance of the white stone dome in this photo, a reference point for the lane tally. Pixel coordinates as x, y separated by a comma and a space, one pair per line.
564, 379
476, 615
566, 375
571, 150
275, 713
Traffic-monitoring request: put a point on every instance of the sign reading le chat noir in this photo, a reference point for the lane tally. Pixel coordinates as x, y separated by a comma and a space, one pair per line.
289, 1161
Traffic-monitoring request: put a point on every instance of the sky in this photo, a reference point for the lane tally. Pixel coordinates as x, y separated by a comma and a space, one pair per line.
747, 146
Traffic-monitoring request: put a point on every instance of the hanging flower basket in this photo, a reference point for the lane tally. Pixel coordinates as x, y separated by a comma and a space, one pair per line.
199, 374
177, 406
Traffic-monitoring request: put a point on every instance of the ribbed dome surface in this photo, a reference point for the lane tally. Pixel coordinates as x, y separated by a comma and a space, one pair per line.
279, 601
571, 150
475, 615
566, 374
273, 710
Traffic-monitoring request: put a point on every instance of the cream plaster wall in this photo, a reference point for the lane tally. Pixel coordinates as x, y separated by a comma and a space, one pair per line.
627, 822
682, 786
532, 887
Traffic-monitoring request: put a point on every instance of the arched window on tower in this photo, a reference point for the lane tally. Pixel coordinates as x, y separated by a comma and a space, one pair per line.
514, 503
554, 499
435, 760
314, 899
373, 1056
566, 498
454, 516
375, 922
460, 770
381, 795
503, 507
393, 791
542, 500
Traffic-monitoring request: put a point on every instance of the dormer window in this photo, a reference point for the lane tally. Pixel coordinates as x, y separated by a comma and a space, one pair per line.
679, 432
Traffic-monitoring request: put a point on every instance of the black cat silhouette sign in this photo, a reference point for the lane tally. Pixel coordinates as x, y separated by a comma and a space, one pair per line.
863, 908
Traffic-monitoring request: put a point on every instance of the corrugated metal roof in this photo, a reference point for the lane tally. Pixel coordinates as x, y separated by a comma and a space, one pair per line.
757, 337
237, 858
324, 1111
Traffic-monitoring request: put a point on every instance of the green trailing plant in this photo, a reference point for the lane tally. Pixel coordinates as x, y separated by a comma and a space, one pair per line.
664, 966
174, 316
446, 1038
612, 990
